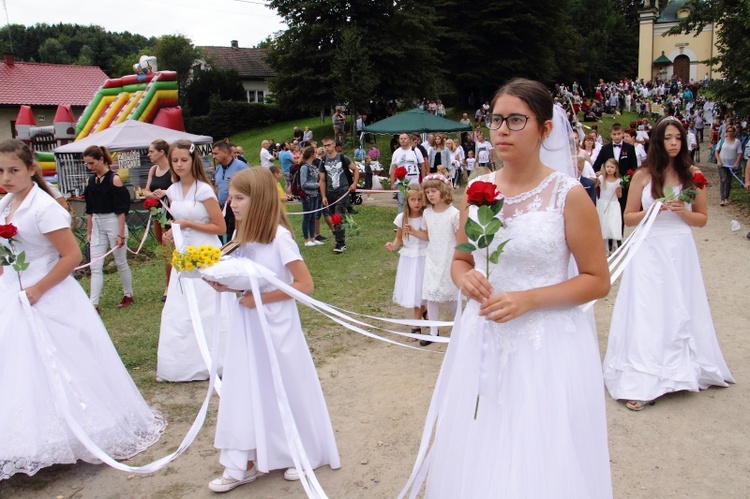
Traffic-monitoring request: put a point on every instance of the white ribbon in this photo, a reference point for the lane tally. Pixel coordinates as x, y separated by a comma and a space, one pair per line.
57, 376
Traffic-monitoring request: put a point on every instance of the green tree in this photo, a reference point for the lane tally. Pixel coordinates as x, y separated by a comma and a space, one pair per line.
223, 83
52, 51
176, 53
730, 22
311, 56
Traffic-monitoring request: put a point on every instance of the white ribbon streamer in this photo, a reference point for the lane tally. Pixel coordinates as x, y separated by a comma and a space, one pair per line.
57, 374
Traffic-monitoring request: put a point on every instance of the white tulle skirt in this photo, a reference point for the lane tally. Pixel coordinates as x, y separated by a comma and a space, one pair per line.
409, 274
540, 430
100, 393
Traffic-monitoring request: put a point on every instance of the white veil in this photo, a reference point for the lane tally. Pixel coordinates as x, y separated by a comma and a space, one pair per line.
559, 149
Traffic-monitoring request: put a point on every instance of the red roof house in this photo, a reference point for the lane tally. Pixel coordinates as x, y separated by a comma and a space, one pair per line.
43, 87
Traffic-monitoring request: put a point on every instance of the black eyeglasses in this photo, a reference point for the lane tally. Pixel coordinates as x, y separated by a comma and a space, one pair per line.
515, 121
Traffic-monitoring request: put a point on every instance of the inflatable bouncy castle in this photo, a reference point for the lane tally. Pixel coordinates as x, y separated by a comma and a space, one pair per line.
149, 96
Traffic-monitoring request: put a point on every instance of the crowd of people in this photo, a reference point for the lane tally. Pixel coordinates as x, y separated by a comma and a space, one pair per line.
521, 392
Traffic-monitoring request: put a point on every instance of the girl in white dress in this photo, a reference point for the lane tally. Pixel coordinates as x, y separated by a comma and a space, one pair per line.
522, 344
438, 228
249, 429
662, 337
196, 211
608, 206
66, 360
410, 273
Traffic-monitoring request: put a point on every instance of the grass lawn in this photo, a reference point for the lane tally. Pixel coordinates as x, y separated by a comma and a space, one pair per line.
361, 280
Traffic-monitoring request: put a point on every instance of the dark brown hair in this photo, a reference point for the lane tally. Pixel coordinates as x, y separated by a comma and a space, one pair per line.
98, 152
533, 94
658, 158
24, 153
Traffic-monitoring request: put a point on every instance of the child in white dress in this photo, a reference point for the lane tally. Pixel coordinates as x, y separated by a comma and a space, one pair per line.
408, 289
250, 430
608, 206
56, 353
439, 226
196, 211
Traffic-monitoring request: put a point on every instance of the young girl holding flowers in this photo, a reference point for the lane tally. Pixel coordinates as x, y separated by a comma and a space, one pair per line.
438, 228
662, 337
249, 429
196, 211
57, 351
410, 273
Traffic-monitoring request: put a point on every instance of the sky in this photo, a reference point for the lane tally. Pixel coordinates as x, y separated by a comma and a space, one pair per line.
205, 22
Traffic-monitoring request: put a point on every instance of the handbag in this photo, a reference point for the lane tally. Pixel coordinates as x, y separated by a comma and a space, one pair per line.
712, 154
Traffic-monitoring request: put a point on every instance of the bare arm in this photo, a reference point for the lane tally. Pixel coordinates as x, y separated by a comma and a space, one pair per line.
393, 246
633, 211
70, 255
146, 191
355, 177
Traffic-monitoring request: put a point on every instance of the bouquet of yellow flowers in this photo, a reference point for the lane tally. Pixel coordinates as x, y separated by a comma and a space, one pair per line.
193, 259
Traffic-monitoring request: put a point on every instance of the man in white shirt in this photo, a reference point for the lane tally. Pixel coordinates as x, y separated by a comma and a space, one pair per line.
483, 151
411, 159
266, 158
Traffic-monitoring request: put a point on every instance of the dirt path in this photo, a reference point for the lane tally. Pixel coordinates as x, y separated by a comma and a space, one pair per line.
687, 445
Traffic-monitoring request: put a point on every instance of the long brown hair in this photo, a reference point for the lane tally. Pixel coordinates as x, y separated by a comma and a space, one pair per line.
196, 168
24, 153
264, 214
658, 158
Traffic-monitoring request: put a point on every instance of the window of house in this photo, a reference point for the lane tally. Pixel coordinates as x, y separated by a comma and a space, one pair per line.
251, 95
260, 97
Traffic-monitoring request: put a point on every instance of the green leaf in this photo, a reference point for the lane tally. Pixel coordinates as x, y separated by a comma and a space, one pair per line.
473, 229
485, 241
485, 214
497, 206
494, 226
466, 247
495, 256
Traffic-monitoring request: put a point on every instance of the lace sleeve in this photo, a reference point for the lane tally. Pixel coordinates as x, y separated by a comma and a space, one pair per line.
564, 185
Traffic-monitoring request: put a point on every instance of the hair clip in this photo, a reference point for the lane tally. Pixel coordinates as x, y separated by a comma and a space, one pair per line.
192, 148
437, 176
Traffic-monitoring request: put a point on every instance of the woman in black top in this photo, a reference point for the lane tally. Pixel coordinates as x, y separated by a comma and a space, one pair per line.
107, 203
159, 180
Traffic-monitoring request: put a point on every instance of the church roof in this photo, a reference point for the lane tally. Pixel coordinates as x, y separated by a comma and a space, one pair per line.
669, 14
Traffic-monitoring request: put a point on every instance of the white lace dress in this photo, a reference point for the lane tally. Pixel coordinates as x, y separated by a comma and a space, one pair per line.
97, 388
540, 430
179, 358
437, 285
662, 336
408, 289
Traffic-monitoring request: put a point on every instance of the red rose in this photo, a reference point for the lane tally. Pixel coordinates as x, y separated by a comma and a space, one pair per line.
8, 231
150, 203
630, 172
336, 219
699, 180
400, 172
482, 193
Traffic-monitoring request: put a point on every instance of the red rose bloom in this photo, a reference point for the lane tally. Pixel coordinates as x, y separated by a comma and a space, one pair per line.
150, 203
400, 172
699, 180
335, 219
8, 231
482, 193
630, 172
